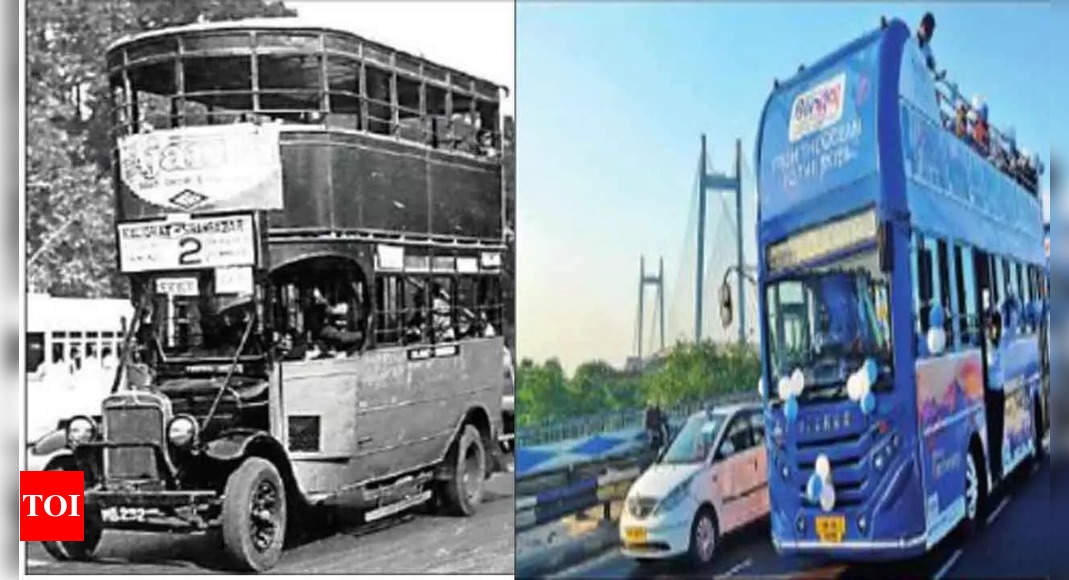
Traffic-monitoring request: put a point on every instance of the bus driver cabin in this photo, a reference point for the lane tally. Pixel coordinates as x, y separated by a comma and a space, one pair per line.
311, 223
900, 276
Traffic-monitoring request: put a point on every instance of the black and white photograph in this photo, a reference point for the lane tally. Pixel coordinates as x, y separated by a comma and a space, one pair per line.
270, 284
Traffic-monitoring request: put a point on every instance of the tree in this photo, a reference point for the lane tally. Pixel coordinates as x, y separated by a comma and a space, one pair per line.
69, 205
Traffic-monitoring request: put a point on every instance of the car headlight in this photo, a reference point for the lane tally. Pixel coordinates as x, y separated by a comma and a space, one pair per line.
80, 429
182, 430
673, 499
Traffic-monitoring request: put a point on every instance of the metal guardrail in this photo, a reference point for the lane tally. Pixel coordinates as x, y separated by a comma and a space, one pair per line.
584, 426
544, 497
578, 489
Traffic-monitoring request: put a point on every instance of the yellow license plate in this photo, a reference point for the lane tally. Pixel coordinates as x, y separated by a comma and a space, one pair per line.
635, 535
830, 528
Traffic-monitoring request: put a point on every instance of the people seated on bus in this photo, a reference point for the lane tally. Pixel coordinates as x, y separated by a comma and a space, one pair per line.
442, 315
961, 120
333, 330
980, 134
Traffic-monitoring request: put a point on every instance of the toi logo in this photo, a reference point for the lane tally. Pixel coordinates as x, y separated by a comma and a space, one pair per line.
51, 506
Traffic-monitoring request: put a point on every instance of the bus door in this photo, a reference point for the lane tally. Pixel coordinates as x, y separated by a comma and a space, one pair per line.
994, 408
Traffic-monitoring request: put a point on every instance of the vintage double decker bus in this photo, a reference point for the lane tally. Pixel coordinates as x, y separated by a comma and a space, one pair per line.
901, 298
312, 227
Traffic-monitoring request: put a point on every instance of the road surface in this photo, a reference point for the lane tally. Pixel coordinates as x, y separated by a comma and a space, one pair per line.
1019, 541
414, 543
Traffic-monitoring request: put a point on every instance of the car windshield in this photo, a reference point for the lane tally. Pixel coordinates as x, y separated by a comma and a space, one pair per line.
826, 322
695, 440
185, 318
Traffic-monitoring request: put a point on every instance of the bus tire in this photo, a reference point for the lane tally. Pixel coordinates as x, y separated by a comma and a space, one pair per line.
1037, 432
975, 492
463, 492
254, 515
704, 537
93, 530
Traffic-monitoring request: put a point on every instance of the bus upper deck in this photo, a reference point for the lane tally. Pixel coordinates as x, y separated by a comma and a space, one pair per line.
371, 138
885, 146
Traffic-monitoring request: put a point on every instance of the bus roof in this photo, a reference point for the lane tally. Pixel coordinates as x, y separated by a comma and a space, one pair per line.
282, 24
860, 127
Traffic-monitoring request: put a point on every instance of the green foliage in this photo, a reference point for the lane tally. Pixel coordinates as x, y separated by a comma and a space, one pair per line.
70, 245
690, 372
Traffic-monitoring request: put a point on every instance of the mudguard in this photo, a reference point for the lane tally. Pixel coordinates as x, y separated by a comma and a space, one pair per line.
234, 445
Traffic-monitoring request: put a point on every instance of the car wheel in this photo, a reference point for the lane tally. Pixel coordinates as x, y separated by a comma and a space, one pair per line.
464, 491
254, 515
704, 537
93, 531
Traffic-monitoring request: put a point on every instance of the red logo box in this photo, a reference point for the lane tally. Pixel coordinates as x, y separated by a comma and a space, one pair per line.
51, 506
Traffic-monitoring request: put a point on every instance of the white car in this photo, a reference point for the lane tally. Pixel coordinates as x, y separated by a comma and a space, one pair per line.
711, 480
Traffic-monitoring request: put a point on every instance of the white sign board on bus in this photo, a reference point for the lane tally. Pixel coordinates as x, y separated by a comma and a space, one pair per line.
204, 242
208, 168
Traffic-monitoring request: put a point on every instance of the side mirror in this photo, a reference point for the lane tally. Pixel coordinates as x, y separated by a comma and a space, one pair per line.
726, 311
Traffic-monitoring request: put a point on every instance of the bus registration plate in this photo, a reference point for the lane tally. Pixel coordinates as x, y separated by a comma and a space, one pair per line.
830, 528
635, 535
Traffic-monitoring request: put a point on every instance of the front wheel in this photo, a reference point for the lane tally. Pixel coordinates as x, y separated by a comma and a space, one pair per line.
464, 491
974, 493
703, 538
254, 515
83, 550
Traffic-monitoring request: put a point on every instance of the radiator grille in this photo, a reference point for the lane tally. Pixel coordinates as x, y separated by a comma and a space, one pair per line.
135, 424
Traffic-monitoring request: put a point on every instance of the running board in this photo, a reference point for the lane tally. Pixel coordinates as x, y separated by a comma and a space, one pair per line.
393, 508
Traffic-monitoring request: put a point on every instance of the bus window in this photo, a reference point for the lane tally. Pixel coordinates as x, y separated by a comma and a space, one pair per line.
923, 282
153, 86
943, 269
343, 81
409, 118
289, 85
35, 351
437, 115
379, 102
967, 300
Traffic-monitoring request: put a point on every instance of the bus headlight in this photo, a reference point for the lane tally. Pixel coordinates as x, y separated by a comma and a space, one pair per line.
182, 430
80, 429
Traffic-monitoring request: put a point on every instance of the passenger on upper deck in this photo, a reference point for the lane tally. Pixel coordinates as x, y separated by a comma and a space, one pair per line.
961, 120
980, 135
925, 31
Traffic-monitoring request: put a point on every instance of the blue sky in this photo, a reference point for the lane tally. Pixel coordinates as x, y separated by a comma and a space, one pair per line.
611, 99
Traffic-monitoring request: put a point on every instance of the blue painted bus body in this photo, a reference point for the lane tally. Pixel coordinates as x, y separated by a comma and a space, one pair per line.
882, 149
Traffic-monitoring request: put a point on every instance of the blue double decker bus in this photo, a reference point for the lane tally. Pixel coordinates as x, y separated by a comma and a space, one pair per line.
901, 298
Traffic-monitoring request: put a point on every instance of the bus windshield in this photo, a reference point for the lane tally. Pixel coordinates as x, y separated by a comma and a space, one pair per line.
695, 440
185, 319
826, 323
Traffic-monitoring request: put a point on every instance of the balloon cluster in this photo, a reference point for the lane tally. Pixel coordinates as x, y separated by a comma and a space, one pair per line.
819, 488
788, 389
937, 336
859, 385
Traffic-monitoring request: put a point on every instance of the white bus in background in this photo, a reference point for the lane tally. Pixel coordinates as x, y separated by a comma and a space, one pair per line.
72, 350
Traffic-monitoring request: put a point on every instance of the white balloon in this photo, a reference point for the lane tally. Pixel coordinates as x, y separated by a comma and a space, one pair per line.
797, 382
827, 497
783, 388
853, 386
823, 468
937, 340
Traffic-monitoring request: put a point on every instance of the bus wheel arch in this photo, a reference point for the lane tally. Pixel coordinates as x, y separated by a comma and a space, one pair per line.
231, 450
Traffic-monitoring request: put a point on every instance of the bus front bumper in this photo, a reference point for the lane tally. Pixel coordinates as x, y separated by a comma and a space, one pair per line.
158, 510
855, 549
